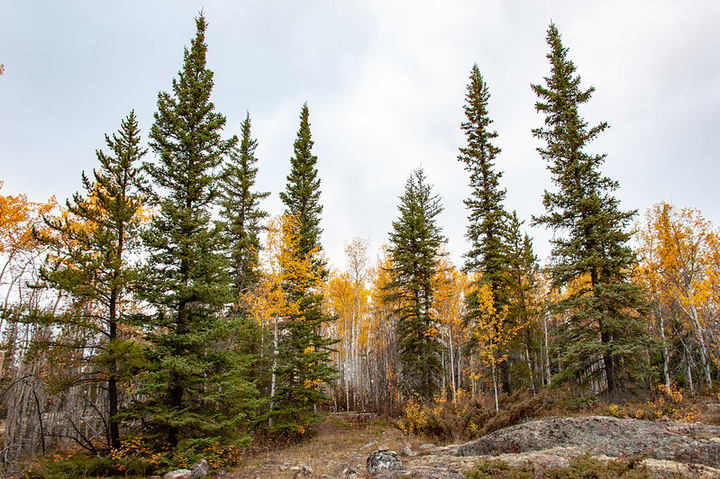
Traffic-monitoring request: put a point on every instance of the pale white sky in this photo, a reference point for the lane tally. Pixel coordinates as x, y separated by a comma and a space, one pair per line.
385, 83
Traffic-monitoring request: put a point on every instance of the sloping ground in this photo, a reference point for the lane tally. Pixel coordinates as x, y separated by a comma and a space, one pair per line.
681, 442
344, 442
554, 439
341, 446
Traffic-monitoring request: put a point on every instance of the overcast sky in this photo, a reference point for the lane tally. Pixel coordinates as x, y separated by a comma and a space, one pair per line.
385, 83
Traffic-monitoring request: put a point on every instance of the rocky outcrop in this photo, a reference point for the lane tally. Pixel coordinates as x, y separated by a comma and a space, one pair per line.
606, 436
671, 450
385, 464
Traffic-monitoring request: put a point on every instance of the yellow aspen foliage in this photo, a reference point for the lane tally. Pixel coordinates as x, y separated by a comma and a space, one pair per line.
18, 217
679, 253
492, 332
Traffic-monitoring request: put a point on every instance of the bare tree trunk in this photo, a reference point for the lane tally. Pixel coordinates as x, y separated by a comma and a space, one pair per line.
548, 374
666, 355
273, 377
452, 365
495, 386
704, 354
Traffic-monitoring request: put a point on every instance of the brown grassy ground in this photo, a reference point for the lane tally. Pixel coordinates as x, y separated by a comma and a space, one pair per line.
343, 440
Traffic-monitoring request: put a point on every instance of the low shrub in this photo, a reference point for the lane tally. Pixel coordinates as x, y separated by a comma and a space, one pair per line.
519, 407
583, 467
80, 465
133, 458
465, 417
496, 469
664, 403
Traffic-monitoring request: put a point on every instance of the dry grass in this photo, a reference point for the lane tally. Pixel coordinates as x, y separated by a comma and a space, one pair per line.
342, 440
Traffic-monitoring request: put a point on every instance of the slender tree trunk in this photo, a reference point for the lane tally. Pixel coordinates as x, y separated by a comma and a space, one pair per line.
452, 365
548, 375
666, 356
273, 377
704, 354
531, 368
495, 386
688, 368
610, 376
505, 371
112, 376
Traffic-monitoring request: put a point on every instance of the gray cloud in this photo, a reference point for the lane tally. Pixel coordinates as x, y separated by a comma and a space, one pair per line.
385, 82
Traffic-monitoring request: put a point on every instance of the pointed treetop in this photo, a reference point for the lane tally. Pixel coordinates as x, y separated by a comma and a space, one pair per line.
302, 193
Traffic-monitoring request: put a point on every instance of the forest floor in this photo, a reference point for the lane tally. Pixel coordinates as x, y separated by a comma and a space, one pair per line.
342, 442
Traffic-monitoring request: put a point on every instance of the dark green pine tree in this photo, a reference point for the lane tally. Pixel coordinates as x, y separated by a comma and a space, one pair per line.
520, 284
303, 353
241, 210
96, 270
592, 251
243, 225
194, 390
487, 218
302, 191
415, 243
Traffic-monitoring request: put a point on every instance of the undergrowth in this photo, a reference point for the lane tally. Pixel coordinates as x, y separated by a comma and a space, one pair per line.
133, 458
465, 417
667, 403
583, 467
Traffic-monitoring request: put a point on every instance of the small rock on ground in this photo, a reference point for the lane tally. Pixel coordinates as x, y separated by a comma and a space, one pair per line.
179, 474
383, 460
200, 469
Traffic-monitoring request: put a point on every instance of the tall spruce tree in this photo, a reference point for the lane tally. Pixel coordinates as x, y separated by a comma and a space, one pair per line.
303, 363
520, 282
302, 191
194, 391
415, 243
241, 211
591, 253
487, 218
243, 225
95, 270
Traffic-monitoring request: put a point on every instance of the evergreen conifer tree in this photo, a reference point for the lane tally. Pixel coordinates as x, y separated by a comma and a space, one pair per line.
521, 270
194, 390
520, 282
487, 218
593, 256
241, 211
302, 192
101, 229
303, 363
415, 243
243, 224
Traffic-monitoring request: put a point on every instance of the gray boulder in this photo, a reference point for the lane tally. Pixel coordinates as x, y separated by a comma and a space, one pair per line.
179, 474
383, 460
200, 469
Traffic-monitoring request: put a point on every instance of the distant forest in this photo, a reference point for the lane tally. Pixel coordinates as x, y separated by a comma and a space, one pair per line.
162, 311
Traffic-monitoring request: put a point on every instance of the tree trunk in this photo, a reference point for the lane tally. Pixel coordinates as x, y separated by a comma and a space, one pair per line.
666, 356
495, 387
273, 377
548, 375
